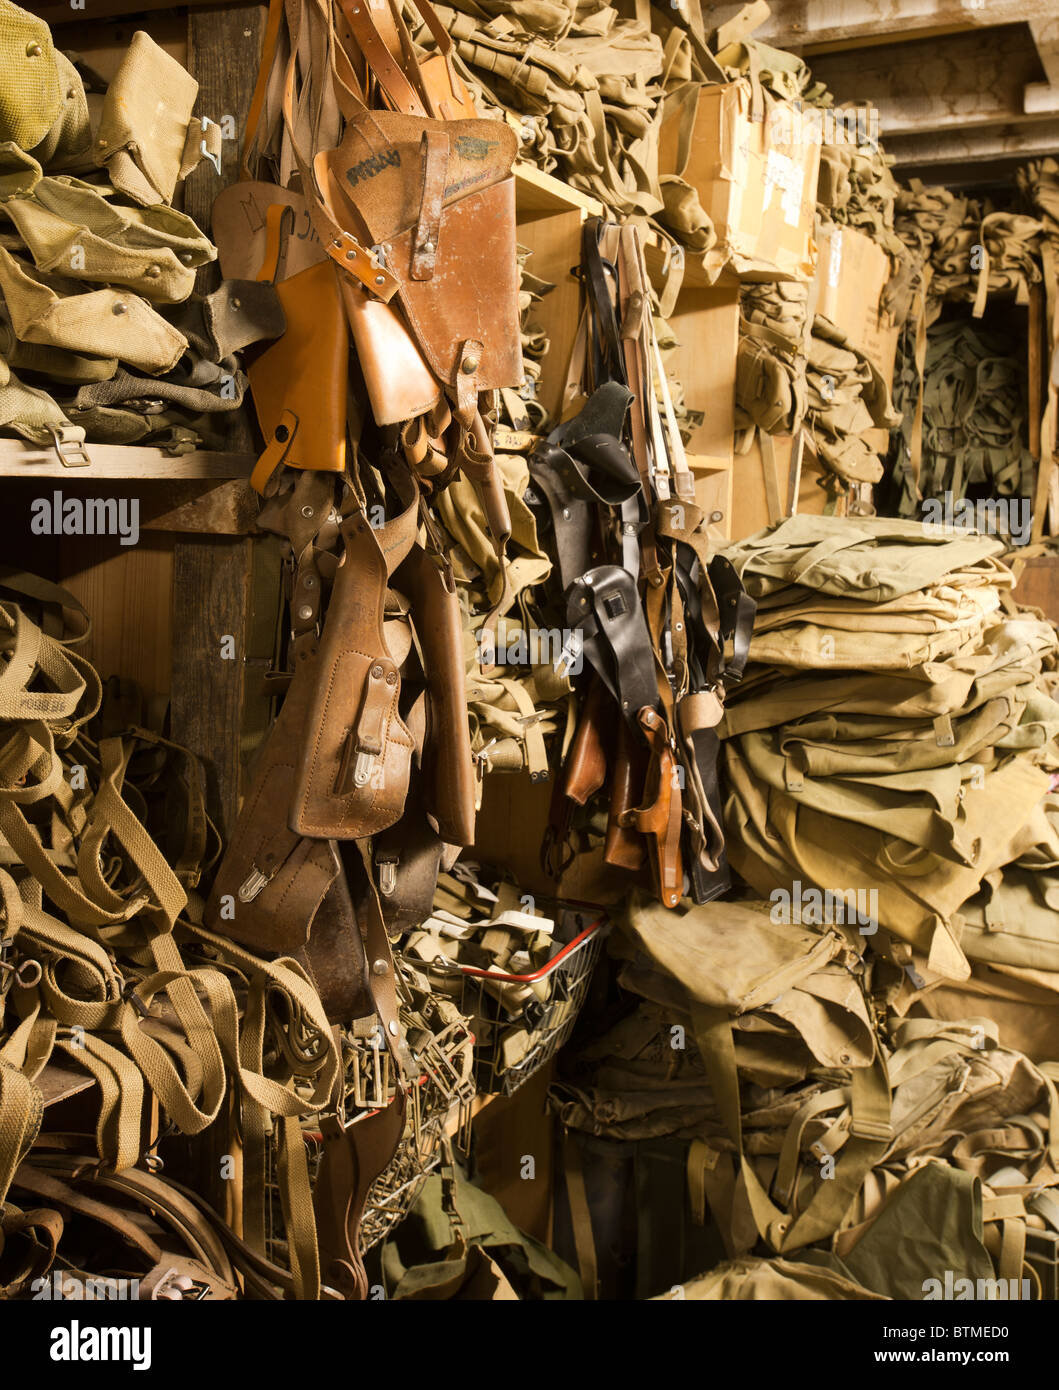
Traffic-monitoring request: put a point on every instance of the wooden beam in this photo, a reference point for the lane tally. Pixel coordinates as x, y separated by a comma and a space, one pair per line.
973, 79
224, 50
19, 459
1011, 141
1046, 38
819, 26
211, 602
60, 12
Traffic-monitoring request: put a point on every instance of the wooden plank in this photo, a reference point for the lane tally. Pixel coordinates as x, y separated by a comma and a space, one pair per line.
126, 590
1038, 585
104, 42
62, 12
555, 241
59, 1082
1045, 33
820, 26
211, 582
1021, 141
510, 1131
21, 459
971, 79
1035, 367
706, 325
543, 195
224, 49
224, 52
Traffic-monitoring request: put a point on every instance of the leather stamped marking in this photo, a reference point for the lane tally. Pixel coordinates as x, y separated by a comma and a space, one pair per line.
373, 165
474, 147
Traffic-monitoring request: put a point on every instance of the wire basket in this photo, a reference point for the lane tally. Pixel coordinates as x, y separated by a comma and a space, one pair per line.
439, 1101
548, 1020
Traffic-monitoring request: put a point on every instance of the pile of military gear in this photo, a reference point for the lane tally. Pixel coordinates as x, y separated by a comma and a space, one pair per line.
770, 385
972, 434
108, 969
769, 1091
616, 499
101, 334
972, 251
587, 89
895, 732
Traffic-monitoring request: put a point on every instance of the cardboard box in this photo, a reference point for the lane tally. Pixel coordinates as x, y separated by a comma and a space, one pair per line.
756, 180
851, 273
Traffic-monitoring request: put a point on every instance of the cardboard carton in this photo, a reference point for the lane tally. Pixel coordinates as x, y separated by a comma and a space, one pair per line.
755, 178
851, 274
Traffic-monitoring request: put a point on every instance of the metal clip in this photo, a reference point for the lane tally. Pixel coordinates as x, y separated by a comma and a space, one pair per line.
255, 881
362, 768
215, 159
481, 758
26, 974
68, 442
131, 997
387, 876
571, 654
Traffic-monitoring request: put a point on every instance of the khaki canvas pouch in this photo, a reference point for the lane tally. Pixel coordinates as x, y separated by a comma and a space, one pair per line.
105, 322
75, 231
143, 130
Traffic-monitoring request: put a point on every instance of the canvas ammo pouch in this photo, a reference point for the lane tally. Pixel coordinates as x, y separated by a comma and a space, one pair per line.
148, 145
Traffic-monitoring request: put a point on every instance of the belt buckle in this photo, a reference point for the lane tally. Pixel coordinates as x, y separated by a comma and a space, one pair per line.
571, 654
68, 441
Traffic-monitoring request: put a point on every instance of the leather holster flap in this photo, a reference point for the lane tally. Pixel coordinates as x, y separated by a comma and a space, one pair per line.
356, 753
448, 767
439, 198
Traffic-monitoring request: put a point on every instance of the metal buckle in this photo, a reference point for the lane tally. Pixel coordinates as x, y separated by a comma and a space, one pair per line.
362, 768
253, 885
68, 441
387, 876
573, 649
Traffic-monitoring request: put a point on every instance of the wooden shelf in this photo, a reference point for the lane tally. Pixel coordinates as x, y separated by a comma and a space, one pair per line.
134, 462
543, 195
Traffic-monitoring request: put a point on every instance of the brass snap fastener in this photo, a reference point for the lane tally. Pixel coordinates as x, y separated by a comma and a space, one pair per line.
33, 50
120, 309
152, 272
469, 366
376, 673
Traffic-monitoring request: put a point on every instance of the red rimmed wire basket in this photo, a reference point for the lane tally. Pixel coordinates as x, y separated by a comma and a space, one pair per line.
521, 1021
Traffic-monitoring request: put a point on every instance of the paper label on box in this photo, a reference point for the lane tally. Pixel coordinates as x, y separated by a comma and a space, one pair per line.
834, 264
782, 171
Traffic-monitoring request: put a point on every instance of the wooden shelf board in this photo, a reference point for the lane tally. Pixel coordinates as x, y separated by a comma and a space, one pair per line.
19, 459
541, 195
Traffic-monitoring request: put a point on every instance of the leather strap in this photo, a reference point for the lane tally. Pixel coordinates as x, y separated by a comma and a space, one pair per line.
428, 229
